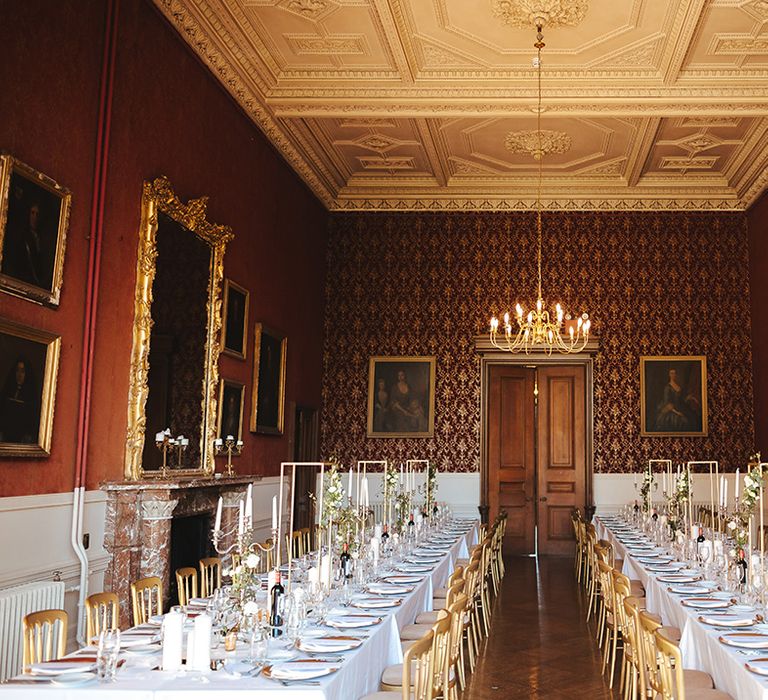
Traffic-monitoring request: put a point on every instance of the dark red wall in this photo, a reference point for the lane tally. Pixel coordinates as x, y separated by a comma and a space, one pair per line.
169, 117
757, 223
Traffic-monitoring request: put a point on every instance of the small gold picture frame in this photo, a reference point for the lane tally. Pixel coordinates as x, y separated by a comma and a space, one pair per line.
34, 217
673, 396
234, 338
270, 351
401, 397
231, 401
29, 366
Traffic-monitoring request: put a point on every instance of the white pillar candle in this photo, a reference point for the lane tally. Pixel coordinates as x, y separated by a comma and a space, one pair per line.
249, 503
736, 489
240, 523
365, 492
349, 485
725, 493
401, 472
218, 515
274, 512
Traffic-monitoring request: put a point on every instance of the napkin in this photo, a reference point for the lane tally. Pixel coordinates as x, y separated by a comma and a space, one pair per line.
172, 640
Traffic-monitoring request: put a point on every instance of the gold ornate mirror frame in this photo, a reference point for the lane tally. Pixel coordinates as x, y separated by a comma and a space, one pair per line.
158, 196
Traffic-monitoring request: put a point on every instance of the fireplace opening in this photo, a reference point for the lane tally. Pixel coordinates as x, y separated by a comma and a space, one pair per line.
190, 542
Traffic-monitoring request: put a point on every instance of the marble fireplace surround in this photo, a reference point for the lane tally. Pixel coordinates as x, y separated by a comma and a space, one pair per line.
138, 525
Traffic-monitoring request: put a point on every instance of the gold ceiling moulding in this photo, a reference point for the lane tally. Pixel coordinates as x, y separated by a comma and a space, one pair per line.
524, 14
528, 141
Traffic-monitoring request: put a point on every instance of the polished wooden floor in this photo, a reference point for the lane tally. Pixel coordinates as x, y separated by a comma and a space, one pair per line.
540, 646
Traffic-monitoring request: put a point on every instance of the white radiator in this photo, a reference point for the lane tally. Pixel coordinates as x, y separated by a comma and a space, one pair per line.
15, 603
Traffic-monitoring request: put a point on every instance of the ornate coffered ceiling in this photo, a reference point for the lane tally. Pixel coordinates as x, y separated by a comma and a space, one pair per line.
431, 104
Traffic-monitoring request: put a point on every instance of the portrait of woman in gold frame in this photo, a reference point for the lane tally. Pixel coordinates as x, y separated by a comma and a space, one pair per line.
401, 397
29, 366
673, 396
34, 217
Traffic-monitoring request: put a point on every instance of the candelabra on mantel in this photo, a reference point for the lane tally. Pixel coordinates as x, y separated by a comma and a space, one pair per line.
166, 443
228, 446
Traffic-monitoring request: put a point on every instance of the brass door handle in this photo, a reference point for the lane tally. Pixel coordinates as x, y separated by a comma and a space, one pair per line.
543, 498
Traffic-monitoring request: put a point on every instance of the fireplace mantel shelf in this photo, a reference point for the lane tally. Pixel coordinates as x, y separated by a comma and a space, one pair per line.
187, 482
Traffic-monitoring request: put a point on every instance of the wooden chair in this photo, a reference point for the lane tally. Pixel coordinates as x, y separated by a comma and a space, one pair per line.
45, 636
651, 681
146, 599
186, 584
392, 677
210, 575
672, 681
454, 675
306, 537
102, 611
417, 673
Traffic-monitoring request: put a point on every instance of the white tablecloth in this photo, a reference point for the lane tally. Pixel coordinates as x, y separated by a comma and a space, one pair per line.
359, 675
699, 645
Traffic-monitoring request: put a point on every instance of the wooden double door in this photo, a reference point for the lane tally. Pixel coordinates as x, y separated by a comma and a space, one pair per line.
536, 453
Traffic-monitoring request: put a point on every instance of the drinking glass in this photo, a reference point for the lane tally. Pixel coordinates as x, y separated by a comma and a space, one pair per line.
107, 655
259, 644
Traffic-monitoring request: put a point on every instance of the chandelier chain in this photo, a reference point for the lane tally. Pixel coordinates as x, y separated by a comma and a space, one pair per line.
539, 329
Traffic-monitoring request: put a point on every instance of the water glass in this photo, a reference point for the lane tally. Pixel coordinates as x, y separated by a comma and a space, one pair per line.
259, 644
107, 655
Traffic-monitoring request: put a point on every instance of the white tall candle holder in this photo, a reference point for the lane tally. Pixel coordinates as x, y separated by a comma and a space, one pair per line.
713, 468
319, 513
410, 466
363, 464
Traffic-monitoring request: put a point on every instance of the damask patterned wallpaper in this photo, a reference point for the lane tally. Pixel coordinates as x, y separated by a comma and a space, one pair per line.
656, 283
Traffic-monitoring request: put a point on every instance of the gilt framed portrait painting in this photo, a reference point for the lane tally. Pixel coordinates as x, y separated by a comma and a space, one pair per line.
673, 395
401, 397
34, 216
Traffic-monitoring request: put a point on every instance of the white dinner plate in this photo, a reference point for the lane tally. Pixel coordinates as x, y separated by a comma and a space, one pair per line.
678, 578
299, 670
706, 603
759, 666
745, 640
328, 644
727, 620
403, 578
353, 621
60, 668
73, 680
376, 603
388, 589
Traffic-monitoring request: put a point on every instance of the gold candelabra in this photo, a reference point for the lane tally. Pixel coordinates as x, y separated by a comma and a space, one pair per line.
228, 446
165, 443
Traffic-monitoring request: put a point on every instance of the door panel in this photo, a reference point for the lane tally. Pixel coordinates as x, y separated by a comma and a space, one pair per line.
511, 457
561, 455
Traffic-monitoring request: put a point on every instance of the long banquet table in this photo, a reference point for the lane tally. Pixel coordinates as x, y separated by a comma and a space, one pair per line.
358, 675
700, 646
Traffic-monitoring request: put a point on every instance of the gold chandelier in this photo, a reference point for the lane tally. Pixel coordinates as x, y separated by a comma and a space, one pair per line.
538, 330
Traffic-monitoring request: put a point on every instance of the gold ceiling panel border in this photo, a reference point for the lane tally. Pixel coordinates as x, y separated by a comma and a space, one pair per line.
159, 196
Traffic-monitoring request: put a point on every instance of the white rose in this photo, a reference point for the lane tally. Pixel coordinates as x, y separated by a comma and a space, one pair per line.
731, 525
252, 560
251, 608
331, 489
226, 572
747, 480
238, 570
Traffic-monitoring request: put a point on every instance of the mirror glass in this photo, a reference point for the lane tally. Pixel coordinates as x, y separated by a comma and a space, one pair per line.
176, 377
